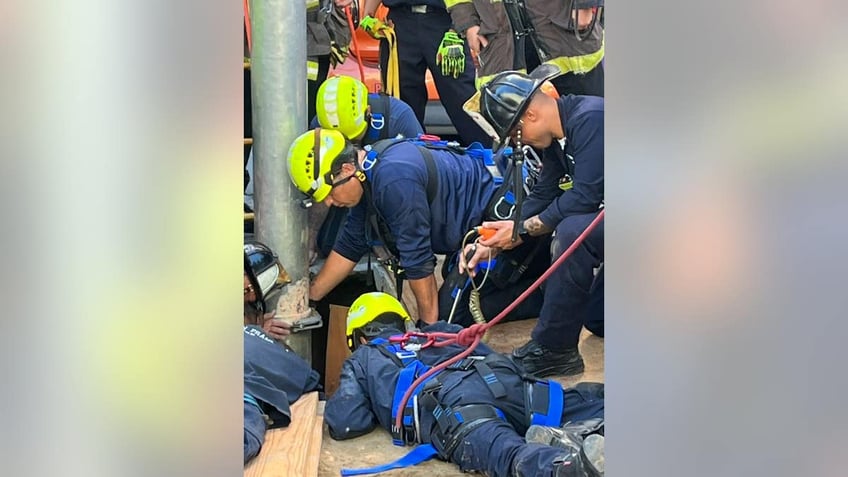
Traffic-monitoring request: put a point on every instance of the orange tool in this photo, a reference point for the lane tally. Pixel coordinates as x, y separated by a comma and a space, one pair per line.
485, 233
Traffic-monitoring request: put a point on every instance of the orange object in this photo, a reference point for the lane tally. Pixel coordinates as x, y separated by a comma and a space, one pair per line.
355, 44
247, 26
485, 232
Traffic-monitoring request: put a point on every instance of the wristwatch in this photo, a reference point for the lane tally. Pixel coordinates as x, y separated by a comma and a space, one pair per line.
522, 232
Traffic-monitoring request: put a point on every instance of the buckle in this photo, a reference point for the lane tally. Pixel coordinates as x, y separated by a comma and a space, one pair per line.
404, 354
418, 8
466, 363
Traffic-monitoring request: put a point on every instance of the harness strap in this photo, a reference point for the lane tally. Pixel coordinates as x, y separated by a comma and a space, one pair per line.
378, 126
456, 423
407, 435
416, 456
495, 387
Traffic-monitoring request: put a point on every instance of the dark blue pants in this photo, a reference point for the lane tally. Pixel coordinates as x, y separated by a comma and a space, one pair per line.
418, 39
497, 449
567, 291
595, 314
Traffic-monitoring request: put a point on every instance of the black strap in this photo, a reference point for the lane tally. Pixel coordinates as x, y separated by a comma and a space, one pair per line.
382, 231
495, 387
432, 175
381, 106
456, 423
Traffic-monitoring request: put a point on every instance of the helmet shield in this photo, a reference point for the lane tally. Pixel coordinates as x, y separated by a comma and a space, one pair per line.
265, 273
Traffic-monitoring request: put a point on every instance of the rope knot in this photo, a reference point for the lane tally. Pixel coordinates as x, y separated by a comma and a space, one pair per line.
467, 336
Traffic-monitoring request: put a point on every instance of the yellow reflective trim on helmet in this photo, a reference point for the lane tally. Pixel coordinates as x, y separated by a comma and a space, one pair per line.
341, 105
301, 161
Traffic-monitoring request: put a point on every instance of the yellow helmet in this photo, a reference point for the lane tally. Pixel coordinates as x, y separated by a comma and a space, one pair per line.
311, 158
371, 314
341, 104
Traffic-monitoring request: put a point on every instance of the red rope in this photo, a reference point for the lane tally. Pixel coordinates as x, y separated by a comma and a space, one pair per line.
247, 26
472, 335
355, 44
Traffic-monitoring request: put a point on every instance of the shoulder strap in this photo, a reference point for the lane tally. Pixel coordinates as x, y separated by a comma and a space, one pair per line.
379, 147
432, 175
378, 126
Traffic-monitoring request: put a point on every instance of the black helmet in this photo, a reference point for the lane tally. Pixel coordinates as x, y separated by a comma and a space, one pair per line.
504, 99
264, 271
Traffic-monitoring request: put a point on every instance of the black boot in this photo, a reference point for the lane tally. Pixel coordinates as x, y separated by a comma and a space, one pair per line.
540, 361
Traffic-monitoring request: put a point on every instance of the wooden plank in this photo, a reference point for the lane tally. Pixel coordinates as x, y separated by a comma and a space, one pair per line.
337, 350
314, 455
283, 453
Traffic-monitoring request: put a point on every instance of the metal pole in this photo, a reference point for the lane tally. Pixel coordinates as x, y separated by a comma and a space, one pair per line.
278, 93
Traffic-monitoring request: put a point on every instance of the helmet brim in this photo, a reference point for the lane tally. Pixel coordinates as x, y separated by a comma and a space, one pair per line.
503, 131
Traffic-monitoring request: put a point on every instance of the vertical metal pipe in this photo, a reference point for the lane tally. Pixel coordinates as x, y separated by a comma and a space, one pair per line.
278, 83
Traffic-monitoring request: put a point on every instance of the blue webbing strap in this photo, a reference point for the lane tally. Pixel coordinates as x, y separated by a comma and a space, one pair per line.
414, 457
252, 400
405, 378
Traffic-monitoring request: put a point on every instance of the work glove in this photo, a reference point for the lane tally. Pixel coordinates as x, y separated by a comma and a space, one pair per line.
338, 53
451, 55
373, 26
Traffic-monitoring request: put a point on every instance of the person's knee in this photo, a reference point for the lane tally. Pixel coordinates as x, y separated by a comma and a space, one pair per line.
564, 235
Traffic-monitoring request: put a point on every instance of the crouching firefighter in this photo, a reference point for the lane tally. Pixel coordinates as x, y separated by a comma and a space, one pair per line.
474, 413
409, 200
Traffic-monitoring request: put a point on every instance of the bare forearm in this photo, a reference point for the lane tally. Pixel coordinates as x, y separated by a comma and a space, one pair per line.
427, 298
535, 227
335, 269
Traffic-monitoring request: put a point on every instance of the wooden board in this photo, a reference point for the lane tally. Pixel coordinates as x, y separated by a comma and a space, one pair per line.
292, 450
337, 350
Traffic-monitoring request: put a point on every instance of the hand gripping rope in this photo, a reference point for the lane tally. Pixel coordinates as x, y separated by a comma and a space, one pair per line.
472, 335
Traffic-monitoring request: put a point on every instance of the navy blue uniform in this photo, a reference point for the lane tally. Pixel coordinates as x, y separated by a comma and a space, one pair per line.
567, 291
494, 445
562, 304
401, 122
398, 183
418, 39
274, 377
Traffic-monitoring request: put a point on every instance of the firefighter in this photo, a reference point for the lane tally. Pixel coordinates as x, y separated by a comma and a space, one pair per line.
474, 413
274, 376
264, 277
564, 200
416, 200
421, 28
344, 104
521, 34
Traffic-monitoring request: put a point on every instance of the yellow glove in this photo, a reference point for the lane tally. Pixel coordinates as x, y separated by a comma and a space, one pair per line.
374, 27
451, 55
338, 54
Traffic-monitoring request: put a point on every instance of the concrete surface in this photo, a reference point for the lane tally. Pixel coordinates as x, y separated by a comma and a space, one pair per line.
376, 448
